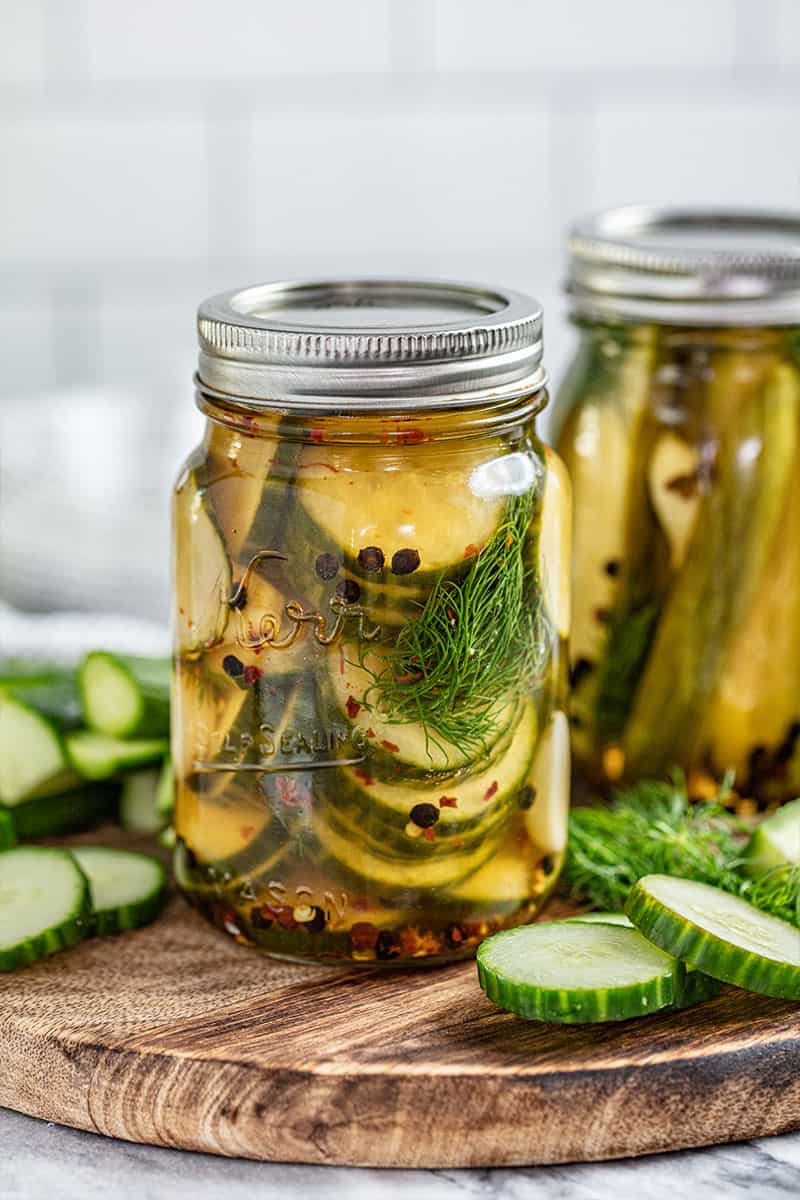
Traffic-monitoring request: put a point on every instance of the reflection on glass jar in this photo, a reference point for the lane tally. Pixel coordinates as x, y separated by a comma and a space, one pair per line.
372, 595
680, 425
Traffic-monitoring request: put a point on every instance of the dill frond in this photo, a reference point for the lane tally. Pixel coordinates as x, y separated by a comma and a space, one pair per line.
477, 641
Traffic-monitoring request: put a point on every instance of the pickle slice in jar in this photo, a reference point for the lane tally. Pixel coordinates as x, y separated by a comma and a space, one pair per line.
546, 819
341, 841
465, 805
422, 519
203, 571
400, 745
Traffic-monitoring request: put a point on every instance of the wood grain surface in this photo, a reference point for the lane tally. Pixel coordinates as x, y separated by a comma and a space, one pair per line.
176, 1036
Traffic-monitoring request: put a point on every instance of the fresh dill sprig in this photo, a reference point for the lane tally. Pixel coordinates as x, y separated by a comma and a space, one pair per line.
653, 828
477, 641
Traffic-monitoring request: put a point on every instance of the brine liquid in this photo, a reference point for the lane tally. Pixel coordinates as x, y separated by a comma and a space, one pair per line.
370, 745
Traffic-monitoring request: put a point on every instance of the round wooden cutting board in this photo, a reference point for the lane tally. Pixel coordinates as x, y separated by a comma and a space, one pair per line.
176, 1036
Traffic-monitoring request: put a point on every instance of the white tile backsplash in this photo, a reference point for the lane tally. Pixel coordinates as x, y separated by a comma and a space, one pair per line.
22, 41
88, 190
681, 153
423, 182
204, 39
574, 34
787, 31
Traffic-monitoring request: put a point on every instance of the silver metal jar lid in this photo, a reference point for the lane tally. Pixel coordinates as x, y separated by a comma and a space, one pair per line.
687, 266
370, 344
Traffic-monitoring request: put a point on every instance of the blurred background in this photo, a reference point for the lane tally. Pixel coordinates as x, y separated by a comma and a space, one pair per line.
153, 153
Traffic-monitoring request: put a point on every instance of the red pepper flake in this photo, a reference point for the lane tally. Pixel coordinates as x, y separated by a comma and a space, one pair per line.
602, 616
429, 834
353, 707
491, 790
448, 802
251, 674
317, 435
246, 832
364, 776
410, 437
390, 746
370, 732
470, 551
458, 843
363, 936
327, 466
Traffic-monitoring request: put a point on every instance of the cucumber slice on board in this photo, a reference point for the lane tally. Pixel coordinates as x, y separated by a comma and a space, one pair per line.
776, 842
126, 889
718, 933
125, 696
96, 756
58, 700
8, 837
23, 669
44, 904
573, 973
33, 757
203, 572
46, 816
138, 809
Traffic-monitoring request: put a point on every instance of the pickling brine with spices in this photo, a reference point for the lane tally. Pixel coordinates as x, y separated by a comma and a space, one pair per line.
680, 425
372, 606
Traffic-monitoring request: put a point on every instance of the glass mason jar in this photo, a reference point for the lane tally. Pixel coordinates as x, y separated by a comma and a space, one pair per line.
371, 608
679, 423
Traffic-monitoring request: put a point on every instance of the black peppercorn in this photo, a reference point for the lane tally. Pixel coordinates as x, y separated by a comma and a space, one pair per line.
371, 559
348, 590
580, 669
317, 922
527, 796
387, 945
326, 565
547, 864
232, 666
405, 561
424, 815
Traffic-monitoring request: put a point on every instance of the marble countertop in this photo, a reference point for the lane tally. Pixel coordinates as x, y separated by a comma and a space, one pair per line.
48, 1162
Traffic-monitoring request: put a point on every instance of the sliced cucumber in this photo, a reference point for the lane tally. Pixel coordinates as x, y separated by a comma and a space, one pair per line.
221, 830
203, 572
56, 699
342, 842
138, 809
720, 934
8, 837
503, 883
462, 804
96, 756
44, 904
20, 669
555, 537
573, 973
776, 842
126, 889
547, 818
124, 696
396, 744
424, 504
601, 918
33, 757
45, 816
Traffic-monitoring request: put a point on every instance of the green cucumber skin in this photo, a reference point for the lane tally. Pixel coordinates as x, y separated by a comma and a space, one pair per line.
65, 812
119, 918
72, 930
8, 837
561, 1007
710, 954
149, 678
151, 750
57, 699
696, 988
